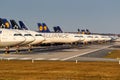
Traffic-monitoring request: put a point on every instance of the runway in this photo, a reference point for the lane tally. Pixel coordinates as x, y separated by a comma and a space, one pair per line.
85, 53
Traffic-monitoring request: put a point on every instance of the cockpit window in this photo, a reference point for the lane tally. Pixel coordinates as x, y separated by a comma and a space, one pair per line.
89, 36
27, 35
96, 36
17, 34
38, 34
76, 36
81, 36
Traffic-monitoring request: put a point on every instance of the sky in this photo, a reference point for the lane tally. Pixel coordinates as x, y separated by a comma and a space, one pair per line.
101, 16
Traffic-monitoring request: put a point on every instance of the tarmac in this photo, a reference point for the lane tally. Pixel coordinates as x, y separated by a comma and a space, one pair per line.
85, 53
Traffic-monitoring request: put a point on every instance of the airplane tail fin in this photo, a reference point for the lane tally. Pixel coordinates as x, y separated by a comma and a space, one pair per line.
83, 31
5, 24
40, 27
22, 25
14, 24
1, 23
43, 27
78, 30
88, 32
57, 29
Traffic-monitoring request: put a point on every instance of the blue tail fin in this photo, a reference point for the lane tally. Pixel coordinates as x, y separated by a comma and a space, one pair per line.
59, 29
1, 23
40, 27
22, 25
83, 31
87, 31
78, 30
14, 24
55, 29
45, 28
5, 24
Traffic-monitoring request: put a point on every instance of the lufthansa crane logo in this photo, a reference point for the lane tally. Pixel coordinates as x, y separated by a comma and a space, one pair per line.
40, 28
45, 28
7, 24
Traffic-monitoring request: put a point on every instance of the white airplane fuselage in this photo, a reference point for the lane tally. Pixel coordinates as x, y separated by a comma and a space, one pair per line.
87, 38
80, 36
106, 38
28, 37
10, 38
59, 38
37, 36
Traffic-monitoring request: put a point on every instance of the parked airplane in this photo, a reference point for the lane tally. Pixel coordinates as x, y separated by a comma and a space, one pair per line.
88, 37
14, 26
38, 36
9, 37
52, 37
28, 37
31, 37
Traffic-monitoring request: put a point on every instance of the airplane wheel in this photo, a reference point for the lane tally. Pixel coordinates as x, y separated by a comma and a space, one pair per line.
7, 50
17, 49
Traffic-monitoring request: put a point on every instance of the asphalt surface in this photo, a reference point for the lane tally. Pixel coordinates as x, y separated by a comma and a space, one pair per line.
98, 54
84, 53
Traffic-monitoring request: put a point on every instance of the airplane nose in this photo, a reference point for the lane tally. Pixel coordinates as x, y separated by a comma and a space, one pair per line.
28, 40
20, 39
42, 38
81, 39
31, 39
38, 40
76, 39
16, 40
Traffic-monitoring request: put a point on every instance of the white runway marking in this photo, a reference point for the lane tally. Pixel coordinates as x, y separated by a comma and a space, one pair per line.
39, 59
70, 50
26, 58
54, 59
19, 58
83, 53
55, 56
9, 58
